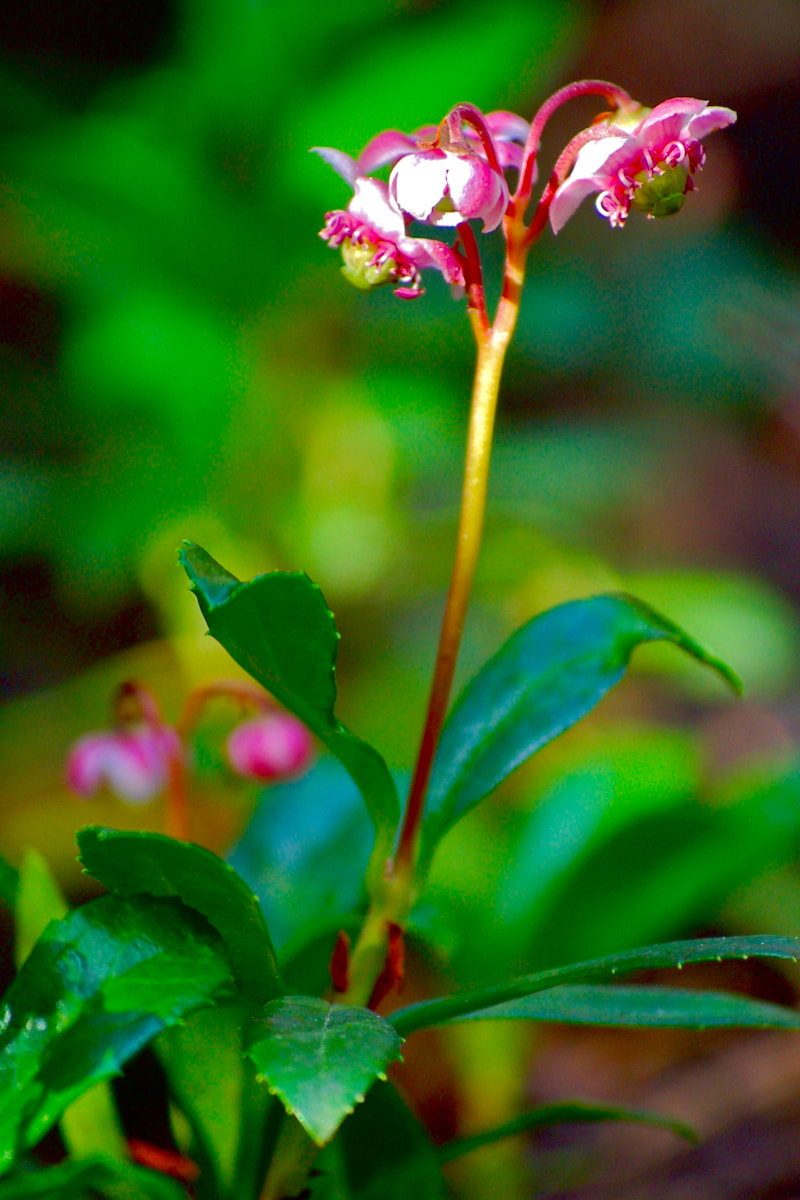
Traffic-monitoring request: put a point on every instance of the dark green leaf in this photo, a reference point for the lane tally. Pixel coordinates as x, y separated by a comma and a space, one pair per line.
280, 630
612, 1004
96, 988
134, 863
574, 1112
386, 1153
122, 1181
548, 675
671, 954
321, 1058
8, 883
205, 1068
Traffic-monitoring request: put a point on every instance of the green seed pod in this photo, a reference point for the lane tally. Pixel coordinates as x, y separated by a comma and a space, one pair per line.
358, 269
662, 195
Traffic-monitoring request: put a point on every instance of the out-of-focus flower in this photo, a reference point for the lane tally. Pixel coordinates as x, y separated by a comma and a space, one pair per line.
649, 167
132, 762
271, 746
371, 232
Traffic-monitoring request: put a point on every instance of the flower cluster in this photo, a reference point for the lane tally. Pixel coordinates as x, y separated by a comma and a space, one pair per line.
135, 760
448, 175
440, 177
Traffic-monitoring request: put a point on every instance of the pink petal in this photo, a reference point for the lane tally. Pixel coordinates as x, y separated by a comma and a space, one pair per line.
385, 148
712, 118
569, 196
342, 163
427, 252
371, 204
418, 183
507, 126
476, 191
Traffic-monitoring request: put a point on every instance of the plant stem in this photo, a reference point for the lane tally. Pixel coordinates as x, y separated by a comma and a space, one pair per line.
492, 348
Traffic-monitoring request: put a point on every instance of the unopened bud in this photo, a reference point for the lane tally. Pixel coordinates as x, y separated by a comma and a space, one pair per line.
270, 747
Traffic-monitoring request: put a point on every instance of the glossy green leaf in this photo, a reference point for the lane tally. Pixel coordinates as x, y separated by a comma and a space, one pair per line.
571, 1113
321, 1058
133, 863
547, 676
671, 954
308, 890
612, 1004
96, 988
90, 1125
280, 630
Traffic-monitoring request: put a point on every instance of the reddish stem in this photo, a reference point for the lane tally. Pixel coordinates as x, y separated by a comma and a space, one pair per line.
561, 170
248, 694
585, 87
474, 117
473, 278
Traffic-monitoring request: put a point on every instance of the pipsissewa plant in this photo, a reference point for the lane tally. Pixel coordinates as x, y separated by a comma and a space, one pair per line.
179, 951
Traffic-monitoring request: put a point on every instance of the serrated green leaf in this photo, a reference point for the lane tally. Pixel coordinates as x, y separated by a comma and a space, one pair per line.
570, 1113
547, 676
280, 630
671, 954
68, 1020
321, 1058
653, 1007
133, 863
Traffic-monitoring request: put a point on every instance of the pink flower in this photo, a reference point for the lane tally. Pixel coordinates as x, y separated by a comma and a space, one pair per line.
271, 746
132, 762
506, 129
443, 188
649, 168
375, 246
442, 175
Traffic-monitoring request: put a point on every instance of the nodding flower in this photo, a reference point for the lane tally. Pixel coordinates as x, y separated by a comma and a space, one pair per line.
271, 746
452, 173
371, 233
133, 762
648, 167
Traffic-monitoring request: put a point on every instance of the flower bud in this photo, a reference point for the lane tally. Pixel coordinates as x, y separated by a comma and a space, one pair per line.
271, 747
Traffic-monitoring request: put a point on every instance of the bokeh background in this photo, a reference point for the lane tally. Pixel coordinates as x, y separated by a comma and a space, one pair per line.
180, 358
